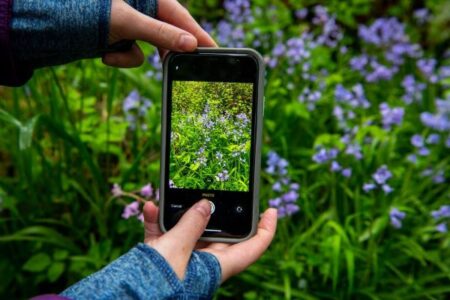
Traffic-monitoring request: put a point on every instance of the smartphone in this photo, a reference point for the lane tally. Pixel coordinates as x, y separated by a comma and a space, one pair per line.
211, 139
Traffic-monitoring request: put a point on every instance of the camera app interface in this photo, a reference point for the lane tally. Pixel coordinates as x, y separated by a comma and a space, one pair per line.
210, 136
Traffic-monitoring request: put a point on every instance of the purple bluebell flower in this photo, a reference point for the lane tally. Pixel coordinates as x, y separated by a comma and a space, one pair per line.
421, 15
238, 11
291, 209
442, 212
131, 101
368, 187
417, 140
130, 210
427, 66
424, 151
444, 72
320, 15
147, 190
140, 217
442, 228
335, 166
135, 106
439, 177
116, 190
290, 196
380, 72
276, 186
391, 116
222, 176
382, 175
387, 189
412, 158
301, 13
347, 172
321, 156
413, 89
433, 139
331, 34
294, 186
396, 216
275, 202
358, 63
355, 150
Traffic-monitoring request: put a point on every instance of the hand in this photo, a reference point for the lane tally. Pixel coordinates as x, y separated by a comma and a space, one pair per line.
175, 30
178, 243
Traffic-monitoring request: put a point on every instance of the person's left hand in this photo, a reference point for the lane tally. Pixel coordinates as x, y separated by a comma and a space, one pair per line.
175, 29
177, 244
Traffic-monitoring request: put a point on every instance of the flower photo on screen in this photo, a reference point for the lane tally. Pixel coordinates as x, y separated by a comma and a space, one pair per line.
210, 136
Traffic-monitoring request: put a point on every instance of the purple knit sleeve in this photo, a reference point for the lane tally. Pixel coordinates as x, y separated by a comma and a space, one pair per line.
11, 73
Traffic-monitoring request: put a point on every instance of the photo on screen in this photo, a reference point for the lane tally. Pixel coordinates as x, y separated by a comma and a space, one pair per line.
210, 137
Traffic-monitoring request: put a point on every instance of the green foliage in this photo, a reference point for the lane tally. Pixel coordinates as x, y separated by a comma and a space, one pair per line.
65, 139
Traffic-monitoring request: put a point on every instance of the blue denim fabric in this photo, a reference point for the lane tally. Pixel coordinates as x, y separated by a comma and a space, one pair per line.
52, 32
143, 273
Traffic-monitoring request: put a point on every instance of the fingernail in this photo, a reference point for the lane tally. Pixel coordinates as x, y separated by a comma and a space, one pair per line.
204, 207
187, 42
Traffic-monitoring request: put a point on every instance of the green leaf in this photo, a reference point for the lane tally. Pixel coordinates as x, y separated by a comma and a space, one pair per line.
37, 263
60, 254
26, 133
55, 271
6, 117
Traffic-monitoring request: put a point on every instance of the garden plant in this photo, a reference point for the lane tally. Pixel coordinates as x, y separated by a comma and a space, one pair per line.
356, 153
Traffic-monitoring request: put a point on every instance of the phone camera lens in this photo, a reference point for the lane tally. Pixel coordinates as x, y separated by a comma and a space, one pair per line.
177, 67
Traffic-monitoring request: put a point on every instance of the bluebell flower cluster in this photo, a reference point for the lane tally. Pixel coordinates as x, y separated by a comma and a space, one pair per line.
331, 32
286, 190
136, 108
413, 89
380, 178
391, 116
386, 36
442, 215
324, 156
440, 120
396, 216
155, 62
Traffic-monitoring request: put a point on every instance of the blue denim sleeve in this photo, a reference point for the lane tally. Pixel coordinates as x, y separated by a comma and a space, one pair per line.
142, 273
49, 32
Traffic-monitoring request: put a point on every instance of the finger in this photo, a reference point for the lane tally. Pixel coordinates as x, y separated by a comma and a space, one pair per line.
145, 28
172, 12
129, 59
238, 257
177, 244
152, 230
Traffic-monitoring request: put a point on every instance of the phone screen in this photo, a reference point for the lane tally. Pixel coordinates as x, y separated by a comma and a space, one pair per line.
210, 135
210, 139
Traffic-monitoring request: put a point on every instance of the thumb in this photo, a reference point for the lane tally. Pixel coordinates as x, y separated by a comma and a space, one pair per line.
177, 244
191, 226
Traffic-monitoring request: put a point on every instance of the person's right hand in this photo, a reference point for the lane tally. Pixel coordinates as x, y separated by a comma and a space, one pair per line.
174, 30
177, 244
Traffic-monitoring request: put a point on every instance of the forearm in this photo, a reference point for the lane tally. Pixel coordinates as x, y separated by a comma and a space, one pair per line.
34, 34
143, 274
55, 32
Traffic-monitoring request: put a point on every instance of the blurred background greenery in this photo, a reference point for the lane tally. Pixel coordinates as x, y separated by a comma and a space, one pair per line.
356, 144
